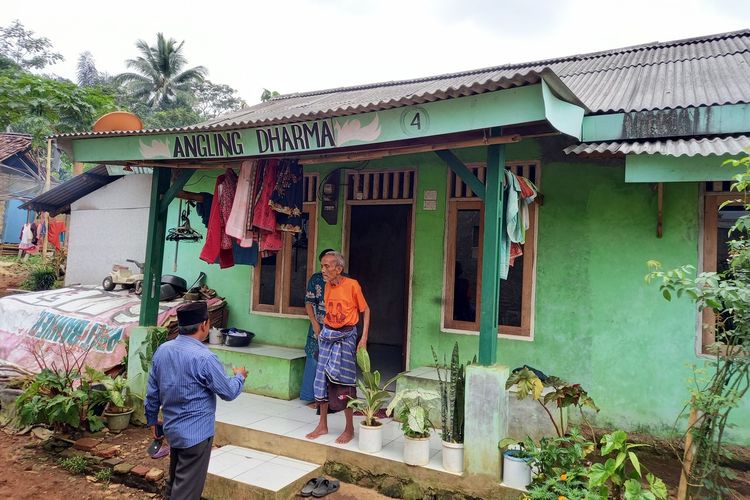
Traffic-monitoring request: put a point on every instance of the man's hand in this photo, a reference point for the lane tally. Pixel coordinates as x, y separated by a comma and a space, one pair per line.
153, 432
241, 370
316, 329
362, 343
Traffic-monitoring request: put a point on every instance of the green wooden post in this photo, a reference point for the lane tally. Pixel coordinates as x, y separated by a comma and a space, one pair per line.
493, 234
157, 227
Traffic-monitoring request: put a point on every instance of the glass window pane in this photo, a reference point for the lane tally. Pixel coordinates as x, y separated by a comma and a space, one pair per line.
727, 218
465, 276
267, 293
298, 270
511, 295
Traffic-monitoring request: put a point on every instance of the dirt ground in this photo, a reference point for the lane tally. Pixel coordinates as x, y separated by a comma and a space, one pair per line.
29, 472
12, 274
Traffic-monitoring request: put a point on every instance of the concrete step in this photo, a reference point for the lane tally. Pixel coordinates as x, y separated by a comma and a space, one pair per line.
239, 472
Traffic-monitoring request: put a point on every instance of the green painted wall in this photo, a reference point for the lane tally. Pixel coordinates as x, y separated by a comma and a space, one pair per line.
595, 323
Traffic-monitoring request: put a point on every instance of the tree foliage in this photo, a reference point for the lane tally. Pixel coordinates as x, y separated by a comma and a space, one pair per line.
26, 50
42, 106
267, 95
159, 72
718, 388
213, 99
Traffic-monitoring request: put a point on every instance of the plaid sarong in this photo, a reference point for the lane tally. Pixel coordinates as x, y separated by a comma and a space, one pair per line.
336, 360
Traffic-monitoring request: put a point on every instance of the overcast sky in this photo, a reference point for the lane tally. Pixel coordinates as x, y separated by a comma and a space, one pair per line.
293, 46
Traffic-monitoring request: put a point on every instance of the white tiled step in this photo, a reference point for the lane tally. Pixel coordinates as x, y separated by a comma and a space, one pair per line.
258, 469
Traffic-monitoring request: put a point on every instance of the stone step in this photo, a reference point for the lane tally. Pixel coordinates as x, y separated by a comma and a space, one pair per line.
239, 472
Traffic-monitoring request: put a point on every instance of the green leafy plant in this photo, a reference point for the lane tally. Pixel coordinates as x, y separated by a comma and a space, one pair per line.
621, 474
412, 411
452, 396
560, 464
76, 464
373, 395
719, 388
104, 476
42, 277
118, 394
155, 336
562, 393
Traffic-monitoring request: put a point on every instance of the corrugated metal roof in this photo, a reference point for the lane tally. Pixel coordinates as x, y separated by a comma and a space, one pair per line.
58, 199
701, 71
11, 144
679, 147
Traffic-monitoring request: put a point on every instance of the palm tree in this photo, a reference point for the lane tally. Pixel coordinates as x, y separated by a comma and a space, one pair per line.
158, 73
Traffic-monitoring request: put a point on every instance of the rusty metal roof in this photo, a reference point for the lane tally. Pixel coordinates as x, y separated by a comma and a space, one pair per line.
11, 144
58, 199
680, 147
701, 71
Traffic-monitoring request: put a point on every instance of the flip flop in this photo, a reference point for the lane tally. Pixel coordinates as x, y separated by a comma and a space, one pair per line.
325, 487
310, 486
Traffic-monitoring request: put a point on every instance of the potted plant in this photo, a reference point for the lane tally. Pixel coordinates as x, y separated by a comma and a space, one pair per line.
415, 423
517, 462
118, 409
372, 400
452, 391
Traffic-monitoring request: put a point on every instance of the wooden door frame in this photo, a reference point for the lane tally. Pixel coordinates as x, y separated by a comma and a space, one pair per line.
406, 349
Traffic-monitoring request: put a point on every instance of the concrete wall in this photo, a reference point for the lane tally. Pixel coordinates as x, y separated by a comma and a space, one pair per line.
595, 323
107, 227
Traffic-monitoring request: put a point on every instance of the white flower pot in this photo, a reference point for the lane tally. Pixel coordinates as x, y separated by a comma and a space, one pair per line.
416, 450
453, 457
370, 438
516, 471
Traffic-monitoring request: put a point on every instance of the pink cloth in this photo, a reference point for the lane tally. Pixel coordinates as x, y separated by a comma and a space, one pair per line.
237, 224
226, 197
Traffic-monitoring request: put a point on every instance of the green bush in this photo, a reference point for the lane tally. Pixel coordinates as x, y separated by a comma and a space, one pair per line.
41, 278
104, 475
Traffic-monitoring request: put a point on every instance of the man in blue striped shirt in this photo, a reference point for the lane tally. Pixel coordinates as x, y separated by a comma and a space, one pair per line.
184, 380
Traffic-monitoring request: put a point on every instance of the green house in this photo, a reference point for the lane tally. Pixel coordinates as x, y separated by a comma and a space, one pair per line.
405, 178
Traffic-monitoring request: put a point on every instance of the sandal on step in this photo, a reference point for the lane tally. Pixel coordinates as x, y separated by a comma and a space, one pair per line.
325, 487
310, 486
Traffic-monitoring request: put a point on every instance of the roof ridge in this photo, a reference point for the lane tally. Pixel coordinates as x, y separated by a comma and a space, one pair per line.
541, 62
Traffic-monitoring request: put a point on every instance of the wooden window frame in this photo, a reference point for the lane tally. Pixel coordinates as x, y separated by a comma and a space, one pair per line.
711, 203
529, 271
283, 292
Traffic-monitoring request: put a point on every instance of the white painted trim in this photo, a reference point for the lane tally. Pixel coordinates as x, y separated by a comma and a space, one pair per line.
476, 334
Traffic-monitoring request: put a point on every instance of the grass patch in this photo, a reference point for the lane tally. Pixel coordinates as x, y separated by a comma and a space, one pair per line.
104, 476
76, 465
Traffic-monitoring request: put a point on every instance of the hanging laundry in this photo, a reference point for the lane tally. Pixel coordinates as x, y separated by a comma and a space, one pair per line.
264, 217
237, 225
203, 208
519, 192
56, 232
218, 244
27, 239
287, 196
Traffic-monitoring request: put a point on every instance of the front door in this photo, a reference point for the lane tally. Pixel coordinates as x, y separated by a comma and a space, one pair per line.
379, 248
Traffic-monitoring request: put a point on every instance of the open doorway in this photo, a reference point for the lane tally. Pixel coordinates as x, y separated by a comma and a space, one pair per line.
379, 249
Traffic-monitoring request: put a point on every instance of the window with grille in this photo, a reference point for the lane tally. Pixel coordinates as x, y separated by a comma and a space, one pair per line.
463, 274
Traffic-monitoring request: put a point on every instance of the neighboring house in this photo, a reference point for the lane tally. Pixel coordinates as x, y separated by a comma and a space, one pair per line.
107, 224
20, 179
626, 146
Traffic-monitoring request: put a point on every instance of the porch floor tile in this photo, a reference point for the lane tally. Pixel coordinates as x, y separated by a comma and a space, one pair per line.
257, 468
294, 419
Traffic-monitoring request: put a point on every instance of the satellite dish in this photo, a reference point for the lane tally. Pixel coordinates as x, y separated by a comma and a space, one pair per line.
117, 120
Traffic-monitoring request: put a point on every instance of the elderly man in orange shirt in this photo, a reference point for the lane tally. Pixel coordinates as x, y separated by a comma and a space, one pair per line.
335, 378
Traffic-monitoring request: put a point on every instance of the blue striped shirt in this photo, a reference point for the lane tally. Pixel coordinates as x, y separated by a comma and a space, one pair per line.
184, 380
